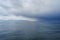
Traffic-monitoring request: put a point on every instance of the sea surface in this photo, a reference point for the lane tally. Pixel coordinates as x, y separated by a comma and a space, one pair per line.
27, 30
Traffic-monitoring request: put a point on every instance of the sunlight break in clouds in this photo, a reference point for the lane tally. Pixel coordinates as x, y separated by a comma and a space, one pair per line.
16, 18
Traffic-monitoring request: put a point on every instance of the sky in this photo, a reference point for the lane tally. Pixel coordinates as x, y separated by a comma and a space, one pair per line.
28, 9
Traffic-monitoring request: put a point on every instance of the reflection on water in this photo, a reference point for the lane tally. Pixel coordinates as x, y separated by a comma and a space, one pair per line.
25, 30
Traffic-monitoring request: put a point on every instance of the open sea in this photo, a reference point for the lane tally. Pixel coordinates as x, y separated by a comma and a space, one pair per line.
27, 30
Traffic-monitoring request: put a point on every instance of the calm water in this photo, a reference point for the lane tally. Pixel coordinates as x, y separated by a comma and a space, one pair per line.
25, 30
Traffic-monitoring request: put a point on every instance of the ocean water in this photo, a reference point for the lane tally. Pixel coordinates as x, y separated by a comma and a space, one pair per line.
27, 30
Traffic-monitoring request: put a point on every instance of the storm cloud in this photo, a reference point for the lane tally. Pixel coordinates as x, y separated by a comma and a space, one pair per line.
29, 8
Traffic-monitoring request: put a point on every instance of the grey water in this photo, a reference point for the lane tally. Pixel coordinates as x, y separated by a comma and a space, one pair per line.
27, 30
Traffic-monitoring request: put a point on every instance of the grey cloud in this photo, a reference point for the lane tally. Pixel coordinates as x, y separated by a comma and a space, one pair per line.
29, 7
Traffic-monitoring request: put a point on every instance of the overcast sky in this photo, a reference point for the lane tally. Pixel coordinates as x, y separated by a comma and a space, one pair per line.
27, 7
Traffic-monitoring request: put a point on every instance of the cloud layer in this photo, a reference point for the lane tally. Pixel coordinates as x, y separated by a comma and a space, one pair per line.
28, 7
